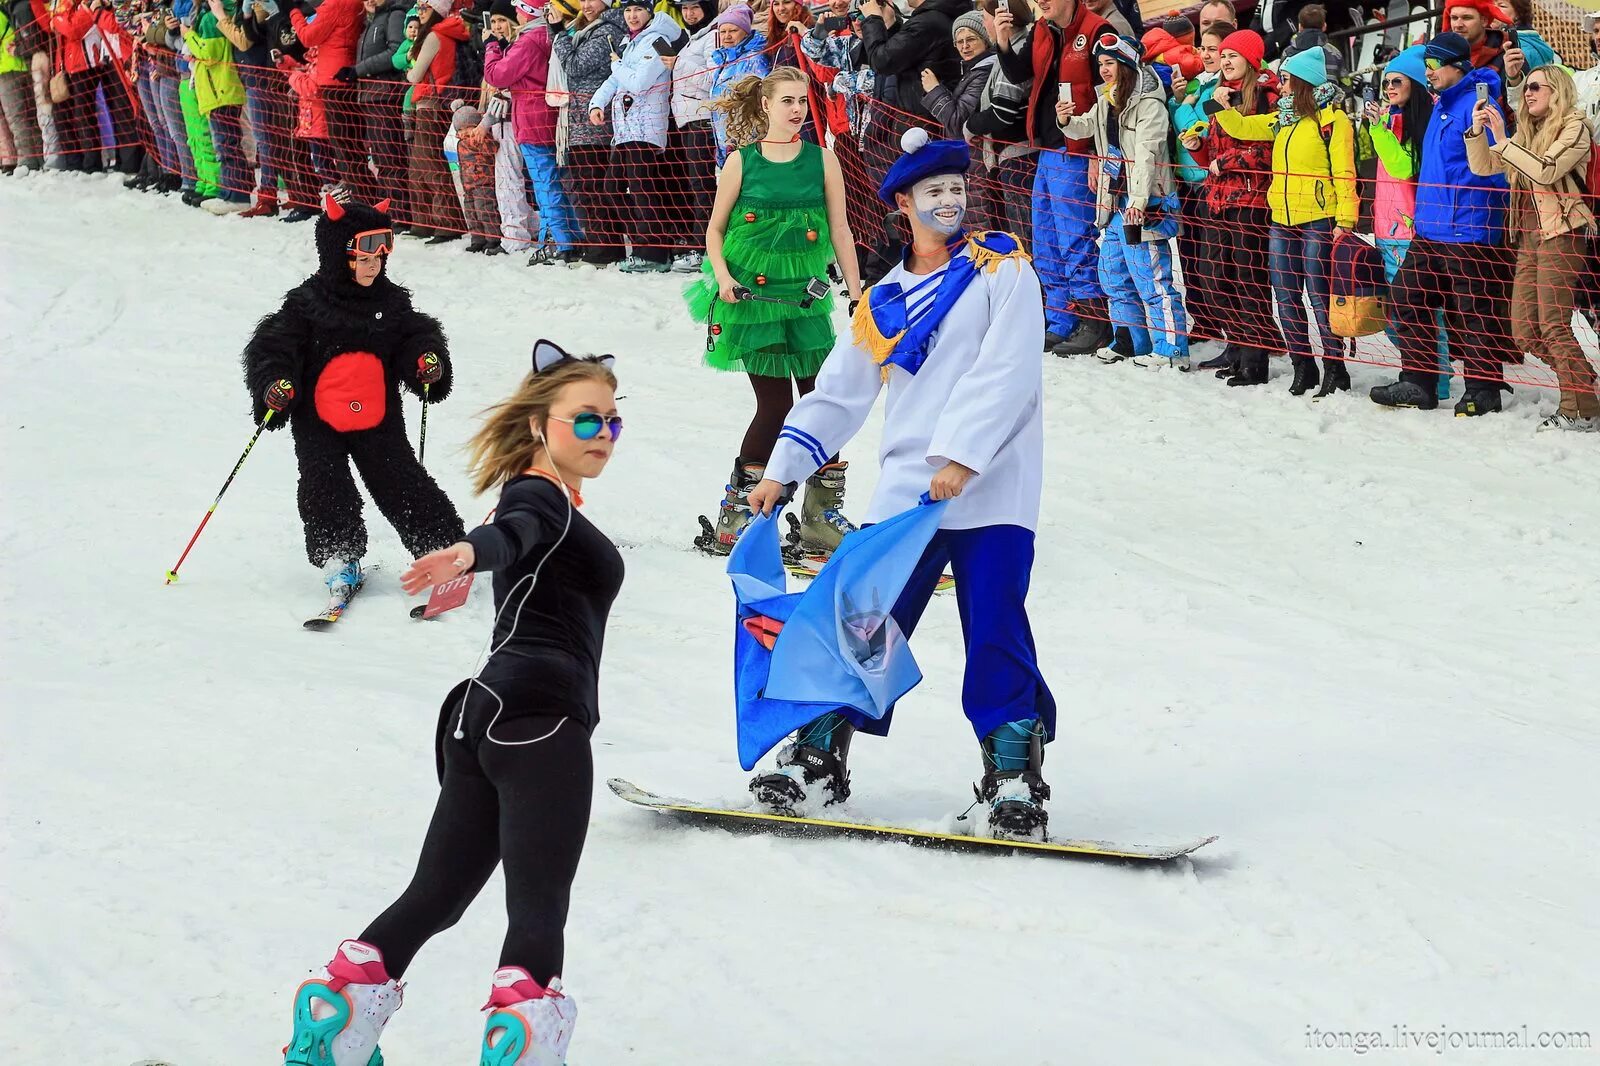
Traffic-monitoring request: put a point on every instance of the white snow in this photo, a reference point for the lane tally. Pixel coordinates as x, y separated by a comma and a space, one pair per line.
1359, 645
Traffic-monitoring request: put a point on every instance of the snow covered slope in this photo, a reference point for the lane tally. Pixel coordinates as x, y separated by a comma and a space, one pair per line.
1360, 645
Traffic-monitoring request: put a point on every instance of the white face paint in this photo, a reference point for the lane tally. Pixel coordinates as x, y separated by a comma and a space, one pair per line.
941, 202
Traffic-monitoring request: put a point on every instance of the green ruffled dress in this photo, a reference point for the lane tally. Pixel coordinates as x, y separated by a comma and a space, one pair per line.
777, 241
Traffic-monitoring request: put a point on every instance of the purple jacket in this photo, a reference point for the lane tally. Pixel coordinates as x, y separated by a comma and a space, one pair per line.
524, 69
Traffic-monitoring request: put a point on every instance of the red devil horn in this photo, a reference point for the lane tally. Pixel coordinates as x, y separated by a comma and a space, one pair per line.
331, 207
381, 205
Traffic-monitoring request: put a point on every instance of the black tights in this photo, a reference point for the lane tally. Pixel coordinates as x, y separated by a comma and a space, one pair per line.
774, 399
526, 806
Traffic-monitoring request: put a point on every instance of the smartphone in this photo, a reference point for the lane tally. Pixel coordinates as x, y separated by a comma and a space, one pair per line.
1483, 93
834, 24
662, 46
1369, 95
1511, 37
1005, 5
1065, 88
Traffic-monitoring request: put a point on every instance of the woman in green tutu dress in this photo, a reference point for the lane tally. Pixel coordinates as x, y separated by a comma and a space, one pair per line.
778, 222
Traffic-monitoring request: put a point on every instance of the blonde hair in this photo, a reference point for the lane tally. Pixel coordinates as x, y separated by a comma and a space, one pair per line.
747, 122
1542, 133
504, 445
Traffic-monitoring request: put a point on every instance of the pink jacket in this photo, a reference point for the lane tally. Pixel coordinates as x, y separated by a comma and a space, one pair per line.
524, 69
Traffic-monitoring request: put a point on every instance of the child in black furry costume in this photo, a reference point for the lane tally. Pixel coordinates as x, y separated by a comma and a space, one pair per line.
331, 362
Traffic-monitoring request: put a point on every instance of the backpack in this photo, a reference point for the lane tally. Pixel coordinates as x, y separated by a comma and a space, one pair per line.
469, 55
1356, 289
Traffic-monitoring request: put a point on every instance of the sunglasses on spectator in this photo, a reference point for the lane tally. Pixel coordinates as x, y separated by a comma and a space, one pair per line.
587, 426
372, 242
1535, 87
1393, 83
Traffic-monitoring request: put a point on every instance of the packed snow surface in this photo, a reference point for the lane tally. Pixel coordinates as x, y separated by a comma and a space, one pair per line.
1360, 645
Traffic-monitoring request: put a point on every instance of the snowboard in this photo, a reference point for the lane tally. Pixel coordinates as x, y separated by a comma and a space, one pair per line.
757, 821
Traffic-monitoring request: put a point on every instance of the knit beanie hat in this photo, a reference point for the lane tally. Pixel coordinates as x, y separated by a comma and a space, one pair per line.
442, 7
1248, 44
1310, 66
1449, 49
504, 9
1180, 27
1124, 50
971, 20
1408, 64
739, 16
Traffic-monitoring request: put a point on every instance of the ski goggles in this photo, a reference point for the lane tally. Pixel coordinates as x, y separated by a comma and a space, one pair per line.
371, 242
587, 426
1119, 48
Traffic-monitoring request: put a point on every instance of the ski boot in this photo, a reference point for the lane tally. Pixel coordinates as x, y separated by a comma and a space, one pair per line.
342, 575
734, 514
1013, 756
822, 526
528, 1025
339, 1015
820, 753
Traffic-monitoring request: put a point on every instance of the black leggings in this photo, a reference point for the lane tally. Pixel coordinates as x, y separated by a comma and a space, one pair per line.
774, 399
524, 805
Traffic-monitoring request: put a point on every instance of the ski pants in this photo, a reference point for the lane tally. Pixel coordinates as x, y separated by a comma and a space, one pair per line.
1471, 283
1140, 294
330, 503
1064, 252
557, 222
1394, 253
169, 109
227, 140
1002, 683
522, 804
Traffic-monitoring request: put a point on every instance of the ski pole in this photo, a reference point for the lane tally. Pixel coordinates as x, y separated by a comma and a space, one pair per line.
172, 575
422, 438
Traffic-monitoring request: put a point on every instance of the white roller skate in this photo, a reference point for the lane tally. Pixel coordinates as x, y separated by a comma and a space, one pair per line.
339, 1015
528, 1025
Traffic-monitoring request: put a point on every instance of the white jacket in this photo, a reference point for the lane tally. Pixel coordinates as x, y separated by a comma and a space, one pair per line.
639, 91
691, 79
977, 400
1588, 85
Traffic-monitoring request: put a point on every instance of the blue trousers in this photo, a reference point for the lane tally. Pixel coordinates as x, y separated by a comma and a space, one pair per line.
227, 139
1298, 258
556, 220
166, 158
1064, 237
991, 565
1394, 253
258, 88
1140, 294
170, 111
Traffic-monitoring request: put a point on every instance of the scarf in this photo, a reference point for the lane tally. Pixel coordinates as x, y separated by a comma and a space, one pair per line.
896, 324
1324, 94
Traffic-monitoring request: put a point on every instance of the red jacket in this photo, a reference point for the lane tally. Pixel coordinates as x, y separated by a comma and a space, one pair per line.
334, 33
1245, 167
451, 32
1075, 65
73, 24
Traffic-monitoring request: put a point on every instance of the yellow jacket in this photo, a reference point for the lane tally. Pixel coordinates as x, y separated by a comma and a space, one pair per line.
1313, 177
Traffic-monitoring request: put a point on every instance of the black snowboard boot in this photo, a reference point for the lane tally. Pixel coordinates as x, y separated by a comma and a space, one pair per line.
819, 756
1404, 393
1093, 331
1335, 378
1013, 757
1477, 402
1252, 368
1305, 375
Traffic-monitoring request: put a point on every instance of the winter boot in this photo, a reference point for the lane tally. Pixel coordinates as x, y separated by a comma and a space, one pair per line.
1093, 331
822, 525
528, 1025
1252, 368
819, 755
1223, 360
1335, 377
266, 204
494, 247
1570, 423
341, 574
1013, 756
1305, 375
1404, 393
339, 1014
477, 243
1230, 361
1120, 348
1475, 402
735, 512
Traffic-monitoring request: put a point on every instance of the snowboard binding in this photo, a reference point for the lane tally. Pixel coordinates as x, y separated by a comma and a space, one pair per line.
819, 756
1013, 786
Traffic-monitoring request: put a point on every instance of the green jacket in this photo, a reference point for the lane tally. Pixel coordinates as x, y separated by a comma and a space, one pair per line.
9, 63
216, 82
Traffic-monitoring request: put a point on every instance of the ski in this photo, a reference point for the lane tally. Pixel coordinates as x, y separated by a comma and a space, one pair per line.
337, 602
750, 819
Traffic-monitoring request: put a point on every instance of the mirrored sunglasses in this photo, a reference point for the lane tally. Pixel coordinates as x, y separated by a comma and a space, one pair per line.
587, 426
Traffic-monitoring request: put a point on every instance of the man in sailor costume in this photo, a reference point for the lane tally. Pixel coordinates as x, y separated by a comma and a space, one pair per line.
954, 333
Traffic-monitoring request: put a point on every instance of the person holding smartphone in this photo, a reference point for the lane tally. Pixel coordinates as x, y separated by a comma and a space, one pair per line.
1457, 262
